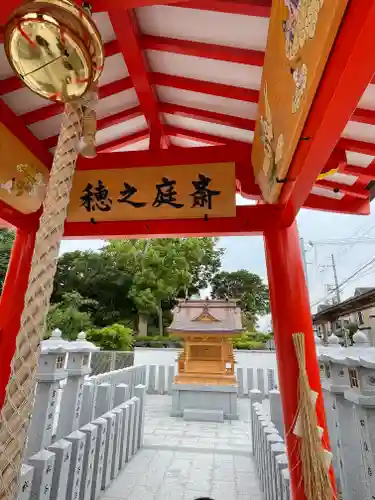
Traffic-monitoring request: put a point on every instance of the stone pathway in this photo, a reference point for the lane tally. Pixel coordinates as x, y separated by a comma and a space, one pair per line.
185, 460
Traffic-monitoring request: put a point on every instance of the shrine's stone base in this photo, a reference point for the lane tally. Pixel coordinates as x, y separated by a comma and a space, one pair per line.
204, 397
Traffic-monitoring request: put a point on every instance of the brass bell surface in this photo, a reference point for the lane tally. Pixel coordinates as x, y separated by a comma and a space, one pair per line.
55, 48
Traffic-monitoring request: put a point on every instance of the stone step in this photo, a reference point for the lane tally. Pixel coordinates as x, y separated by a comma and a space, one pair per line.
198, 415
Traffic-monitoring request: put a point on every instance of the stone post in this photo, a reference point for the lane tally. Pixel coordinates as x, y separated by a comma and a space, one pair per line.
26, 479
260, 380
51, 369
161, 381
250, 379
240, 385
87, 408
170, 378
276, 412
78, 367
152, 379
271, 379
63, 452
43, 463
140, 393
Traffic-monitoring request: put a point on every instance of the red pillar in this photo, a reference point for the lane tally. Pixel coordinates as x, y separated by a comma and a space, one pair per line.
12, 301
291, 314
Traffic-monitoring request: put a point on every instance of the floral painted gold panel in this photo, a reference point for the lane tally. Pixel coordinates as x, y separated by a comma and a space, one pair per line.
300, 37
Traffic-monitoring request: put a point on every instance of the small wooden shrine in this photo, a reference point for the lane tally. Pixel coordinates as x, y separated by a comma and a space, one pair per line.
207, 327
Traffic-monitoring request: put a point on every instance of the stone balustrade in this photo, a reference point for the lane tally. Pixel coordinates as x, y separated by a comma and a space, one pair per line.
348, 381
159, 379
83, 429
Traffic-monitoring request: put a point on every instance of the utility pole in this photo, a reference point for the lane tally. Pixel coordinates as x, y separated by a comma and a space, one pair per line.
336, 280
304, 261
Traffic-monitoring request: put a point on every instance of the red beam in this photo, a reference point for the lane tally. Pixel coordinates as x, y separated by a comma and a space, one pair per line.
356, 191
208, 116
346, 205
168, 157
108, 147
215, 140
366, 148
16, 125
257, 8
17, 219
349, 70
249, 220
217, 89
127, 31
55, 109
14, 83
108, 121
200, 49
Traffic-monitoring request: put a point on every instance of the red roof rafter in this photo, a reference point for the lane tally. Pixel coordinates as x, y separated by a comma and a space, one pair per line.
347, 205
356, 191
209, 116
105, 5
363, 116
364, 174
108, 121
200, 49
127, 140
16, 125
127, 31
55, 109
217, 89
17, 219
366, 148
257, 8
349, 69
202, 137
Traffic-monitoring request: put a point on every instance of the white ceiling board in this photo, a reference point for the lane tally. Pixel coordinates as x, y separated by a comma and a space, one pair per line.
231, 107
23, 100
114, 69
104, 25
359, 132
326, 193
187, 143
232, 30
116, 103
358, 159
47, 128
210, 70
121, 130
240, 200
346, 179
209, 128
5, 69
367, 100
137, 146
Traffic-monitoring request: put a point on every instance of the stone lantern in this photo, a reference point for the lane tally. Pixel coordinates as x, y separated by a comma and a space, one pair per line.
78, 367
51, 370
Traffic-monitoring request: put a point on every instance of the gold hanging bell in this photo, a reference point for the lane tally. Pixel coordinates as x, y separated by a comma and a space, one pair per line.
55, 48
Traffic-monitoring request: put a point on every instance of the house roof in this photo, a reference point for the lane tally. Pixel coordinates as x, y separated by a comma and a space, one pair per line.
207, 316
359, 302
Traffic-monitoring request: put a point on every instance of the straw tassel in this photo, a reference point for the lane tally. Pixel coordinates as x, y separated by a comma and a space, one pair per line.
315, 460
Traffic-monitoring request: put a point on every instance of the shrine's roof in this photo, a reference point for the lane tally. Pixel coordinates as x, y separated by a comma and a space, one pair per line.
206, 316
191, 71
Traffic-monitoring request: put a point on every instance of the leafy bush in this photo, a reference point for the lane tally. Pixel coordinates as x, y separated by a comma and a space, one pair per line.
157, 341
251, 341
112, 338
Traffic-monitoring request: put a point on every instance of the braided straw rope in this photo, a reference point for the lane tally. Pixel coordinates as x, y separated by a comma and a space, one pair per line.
315, 470
15, 414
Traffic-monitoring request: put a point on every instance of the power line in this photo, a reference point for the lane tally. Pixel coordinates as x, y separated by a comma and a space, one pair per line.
363, 267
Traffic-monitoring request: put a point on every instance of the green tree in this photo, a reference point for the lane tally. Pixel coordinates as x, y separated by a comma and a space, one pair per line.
245, 287
68, 316
112, 338
99, 277
6, 243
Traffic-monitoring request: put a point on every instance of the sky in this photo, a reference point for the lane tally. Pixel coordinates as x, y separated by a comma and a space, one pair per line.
247, 252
